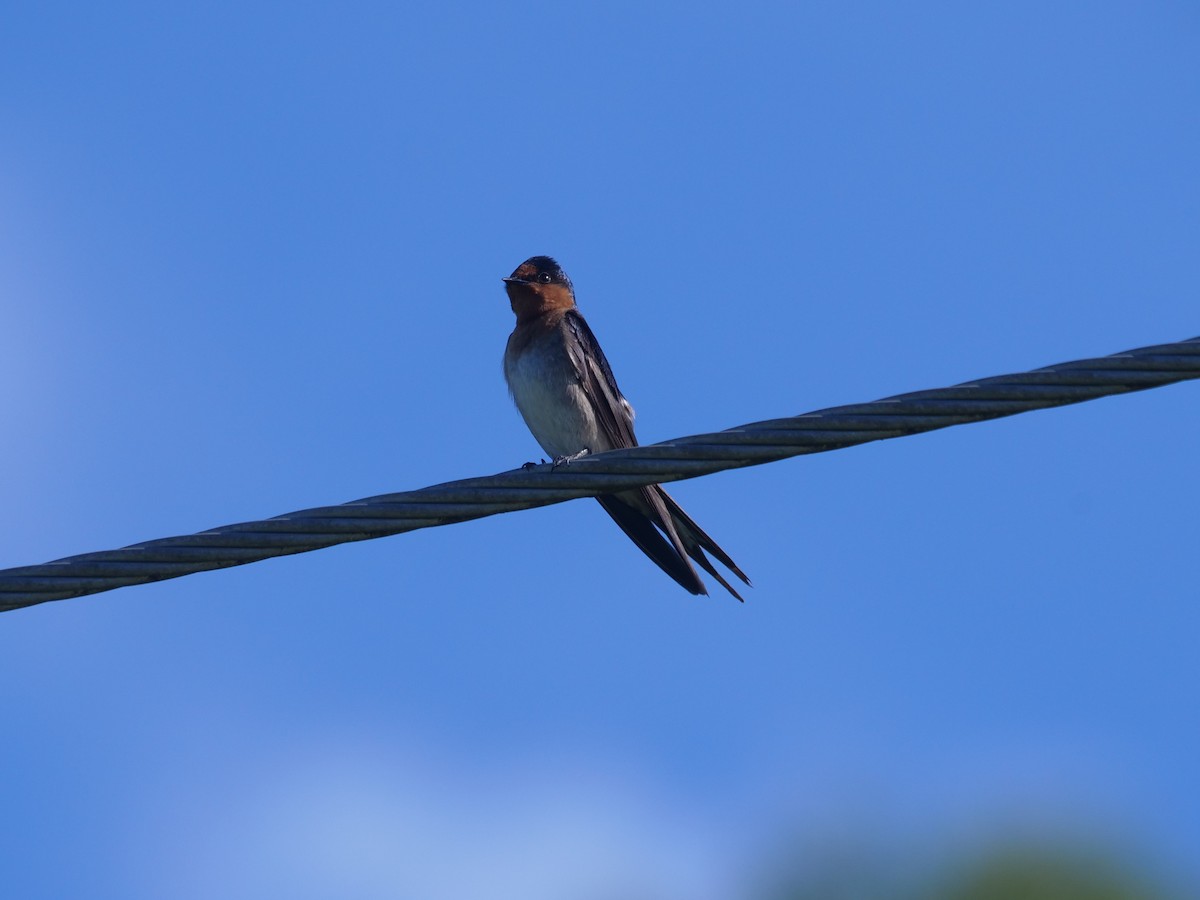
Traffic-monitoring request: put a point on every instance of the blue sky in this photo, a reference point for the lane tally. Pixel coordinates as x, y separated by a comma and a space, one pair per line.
249, 263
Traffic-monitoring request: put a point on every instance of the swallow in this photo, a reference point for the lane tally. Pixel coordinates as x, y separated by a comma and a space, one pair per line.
565, 391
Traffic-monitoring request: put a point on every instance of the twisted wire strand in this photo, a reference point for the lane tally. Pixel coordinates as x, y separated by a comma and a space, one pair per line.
688, 457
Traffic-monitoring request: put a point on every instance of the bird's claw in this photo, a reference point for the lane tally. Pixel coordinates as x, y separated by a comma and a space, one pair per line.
532, 465
567, 460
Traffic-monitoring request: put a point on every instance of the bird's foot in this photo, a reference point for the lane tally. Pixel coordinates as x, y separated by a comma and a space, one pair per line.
532, 465
567, 460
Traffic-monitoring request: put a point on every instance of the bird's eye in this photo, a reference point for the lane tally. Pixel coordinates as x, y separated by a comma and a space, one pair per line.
544, 278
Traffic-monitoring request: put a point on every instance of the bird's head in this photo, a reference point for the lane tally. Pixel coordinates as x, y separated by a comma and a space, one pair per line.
537, 285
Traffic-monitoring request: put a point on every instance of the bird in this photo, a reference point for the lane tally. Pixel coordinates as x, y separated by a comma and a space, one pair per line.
565, 391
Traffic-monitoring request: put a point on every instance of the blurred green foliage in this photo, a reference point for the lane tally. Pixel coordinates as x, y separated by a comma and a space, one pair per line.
1038, 874
1001, 873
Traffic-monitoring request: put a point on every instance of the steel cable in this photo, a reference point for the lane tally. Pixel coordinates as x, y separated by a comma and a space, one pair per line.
688, 457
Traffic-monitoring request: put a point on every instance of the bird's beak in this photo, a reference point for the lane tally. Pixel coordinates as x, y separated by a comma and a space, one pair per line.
514, 281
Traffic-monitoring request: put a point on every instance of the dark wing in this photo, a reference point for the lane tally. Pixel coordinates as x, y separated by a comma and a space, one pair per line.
615, 417
697, 541
612, 410
640, 528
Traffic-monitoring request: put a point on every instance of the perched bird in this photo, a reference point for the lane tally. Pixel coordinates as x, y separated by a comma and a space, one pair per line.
566, 392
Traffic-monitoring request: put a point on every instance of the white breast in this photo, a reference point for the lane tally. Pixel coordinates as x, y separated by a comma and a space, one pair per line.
549, 397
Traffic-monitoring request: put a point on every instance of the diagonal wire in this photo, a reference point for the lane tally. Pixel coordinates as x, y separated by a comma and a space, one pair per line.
688, 457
